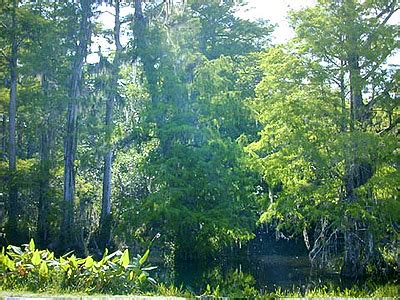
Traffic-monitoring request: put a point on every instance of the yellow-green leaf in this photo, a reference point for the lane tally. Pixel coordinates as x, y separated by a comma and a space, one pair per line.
124, 261
36, 258
9, 263
73, 261
89, 262
142, 277
43, 270
32, 245
105, 257
143, 259
131, 275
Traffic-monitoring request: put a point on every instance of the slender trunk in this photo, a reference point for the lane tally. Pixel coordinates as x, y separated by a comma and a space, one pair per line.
12, 227
70, 142
105, 218
69, 176
19, 148
13, 103
43, 211
3, 137
271, 194
44, 181
343, 125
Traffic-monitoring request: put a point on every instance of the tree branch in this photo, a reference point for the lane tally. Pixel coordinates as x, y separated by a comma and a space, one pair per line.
107, 12
390, 10
2, 24
375, 100
390, 127
332, 61
4, 55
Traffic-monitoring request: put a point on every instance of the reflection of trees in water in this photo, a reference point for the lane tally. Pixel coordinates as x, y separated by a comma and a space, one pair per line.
233, 283
265, 265
262, 273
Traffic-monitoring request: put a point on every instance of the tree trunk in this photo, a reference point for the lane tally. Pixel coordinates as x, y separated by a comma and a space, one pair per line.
46, 135
343, 125
357, 171
70, 142
3, 137
105, 217
12, 226
43, 211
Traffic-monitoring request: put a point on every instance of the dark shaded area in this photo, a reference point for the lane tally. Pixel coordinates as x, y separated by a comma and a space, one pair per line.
271, 262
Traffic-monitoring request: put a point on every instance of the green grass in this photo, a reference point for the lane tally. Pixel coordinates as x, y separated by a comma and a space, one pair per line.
368, 291
371, 291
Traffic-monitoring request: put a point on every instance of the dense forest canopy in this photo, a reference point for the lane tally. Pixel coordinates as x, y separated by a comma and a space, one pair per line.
192, 124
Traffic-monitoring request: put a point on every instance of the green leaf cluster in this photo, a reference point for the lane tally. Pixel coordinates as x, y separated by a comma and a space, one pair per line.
39, 270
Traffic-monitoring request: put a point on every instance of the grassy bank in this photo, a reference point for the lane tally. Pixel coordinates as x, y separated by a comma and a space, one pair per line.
173, 292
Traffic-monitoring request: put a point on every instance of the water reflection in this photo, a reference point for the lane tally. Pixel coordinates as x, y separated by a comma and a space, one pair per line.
263, 273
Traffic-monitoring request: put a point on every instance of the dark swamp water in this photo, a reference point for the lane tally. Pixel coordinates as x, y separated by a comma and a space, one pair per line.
265, 263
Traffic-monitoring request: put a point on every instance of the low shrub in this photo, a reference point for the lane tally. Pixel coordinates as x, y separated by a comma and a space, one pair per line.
28, 268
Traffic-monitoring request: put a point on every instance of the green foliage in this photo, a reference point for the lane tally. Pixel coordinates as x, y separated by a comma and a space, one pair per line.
235, 284
212, 129
172, 291
239, 285
298, 144
223, 33
197, 189
31, 269
325, 158
367, 290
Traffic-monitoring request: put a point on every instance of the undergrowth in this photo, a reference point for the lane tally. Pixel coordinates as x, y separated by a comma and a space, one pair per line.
29, 270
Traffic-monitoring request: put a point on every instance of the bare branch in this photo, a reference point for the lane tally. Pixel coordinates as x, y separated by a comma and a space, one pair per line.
107, 12
331, 61
391, 9
126, 20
